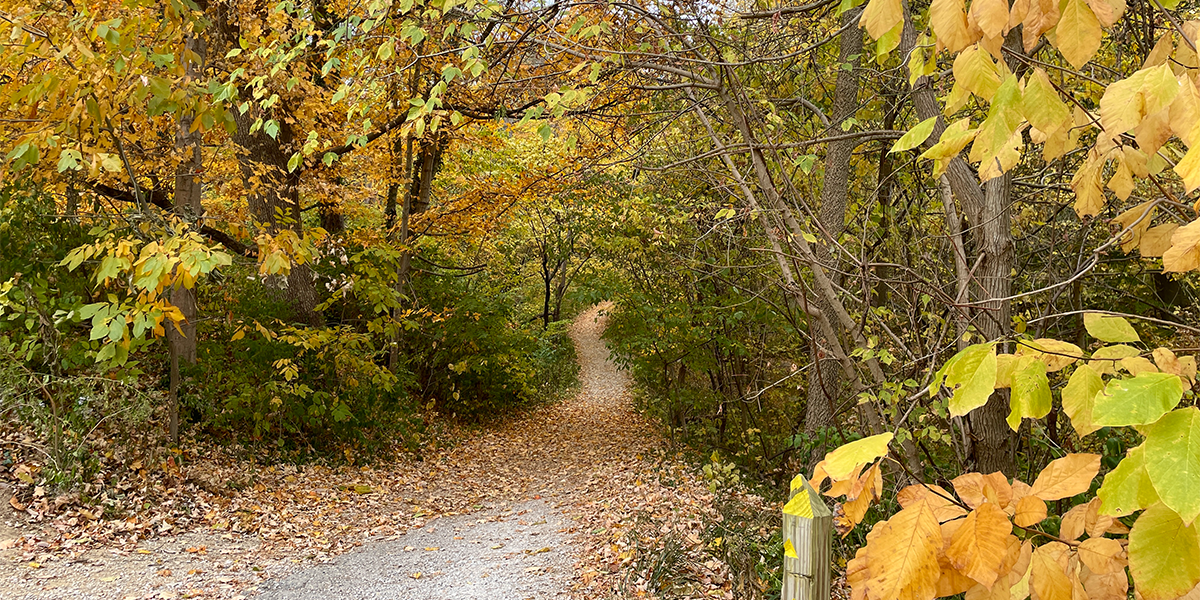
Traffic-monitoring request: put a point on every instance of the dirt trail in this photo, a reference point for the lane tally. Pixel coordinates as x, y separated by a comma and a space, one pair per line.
498, 516
520, 546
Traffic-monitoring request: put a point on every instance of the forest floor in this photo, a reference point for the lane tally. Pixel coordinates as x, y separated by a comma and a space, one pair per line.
577, 499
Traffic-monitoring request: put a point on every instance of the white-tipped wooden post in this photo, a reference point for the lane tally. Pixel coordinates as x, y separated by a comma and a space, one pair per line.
807, 538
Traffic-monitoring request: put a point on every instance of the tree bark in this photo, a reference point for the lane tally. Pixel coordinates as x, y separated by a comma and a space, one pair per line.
825, 382
189, 189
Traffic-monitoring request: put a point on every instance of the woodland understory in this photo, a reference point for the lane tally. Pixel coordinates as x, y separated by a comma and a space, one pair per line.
937, 258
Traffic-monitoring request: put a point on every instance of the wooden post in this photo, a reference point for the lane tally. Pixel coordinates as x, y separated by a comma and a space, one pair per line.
807, 540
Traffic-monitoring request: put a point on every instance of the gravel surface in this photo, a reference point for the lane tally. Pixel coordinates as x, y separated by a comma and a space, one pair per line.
527, 485
521, 552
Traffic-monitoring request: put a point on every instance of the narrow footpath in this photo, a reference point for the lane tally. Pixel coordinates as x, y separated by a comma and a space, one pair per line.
577, 499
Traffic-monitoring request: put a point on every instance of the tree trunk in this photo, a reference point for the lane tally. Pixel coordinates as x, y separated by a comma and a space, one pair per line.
189, 189
825, 382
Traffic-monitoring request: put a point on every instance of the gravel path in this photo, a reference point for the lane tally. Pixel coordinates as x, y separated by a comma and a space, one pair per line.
523, 509
518, 550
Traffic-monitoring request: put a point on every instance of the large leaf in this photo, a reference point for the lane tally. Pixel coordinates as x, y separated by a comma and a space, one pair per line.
1102, 555
1030, 396
980, 545
972, 375
1104, 360
842, 461
903, 557
1078, 34
915, 136
1127, 488
1173, 461
1109, 329
1057, 354
1138, 400
1164, 554
1041, 104
948, 18
1046, 575
1079, 397
1066, 477
1184, 253
880, 16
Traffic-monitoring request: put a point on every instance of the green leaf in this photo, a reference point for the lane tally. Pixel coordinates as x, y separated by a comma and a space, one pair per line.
1030, 391
973, 373
1173, 461
1127, 488
915, 136
1109, 329
1079, 398
1164, 554
842, 461
293, 162
1138, 400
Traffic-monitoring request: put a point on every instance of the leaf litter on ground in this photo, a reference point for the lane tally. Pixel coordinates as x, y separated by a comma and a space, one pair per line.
208, 523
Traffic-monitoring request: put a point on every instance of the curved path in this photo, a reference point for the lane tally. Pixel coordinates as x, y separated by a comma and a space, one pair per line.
520, 545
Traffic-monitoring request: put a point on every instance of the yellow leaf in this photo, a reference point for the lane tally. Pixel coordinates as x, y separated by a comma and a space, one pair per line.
1122, 185
1047, 576
1184, 254
991, 16
1089, 197
1161, 52
1079, 396
978, 73
1057, 354
1067, 476
1188, 169
1078, 33
1031, 510
1041, 104
880, 16
949, 21
1153, 131
1106, 12
903, 558
939, 500
1164, 554
1128, 101
1157, 240
980, 545
953, 140
842, 461
1134, 222
1104, 360
1185, 112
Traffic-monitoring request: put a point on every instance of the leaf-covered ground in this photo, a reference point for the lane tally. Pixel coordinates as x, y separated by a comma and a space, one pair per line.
219, 527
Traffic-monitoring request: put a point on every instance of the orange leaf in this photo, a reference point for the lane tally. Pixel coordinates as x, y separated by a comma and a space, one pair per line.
1047, 576
1102, 555
903, 558
980, 545
1067, 476
1031, 510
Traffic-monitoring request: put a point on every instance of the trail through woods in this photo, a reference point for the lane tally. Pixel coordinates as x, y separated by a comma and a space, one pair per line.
570, 500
